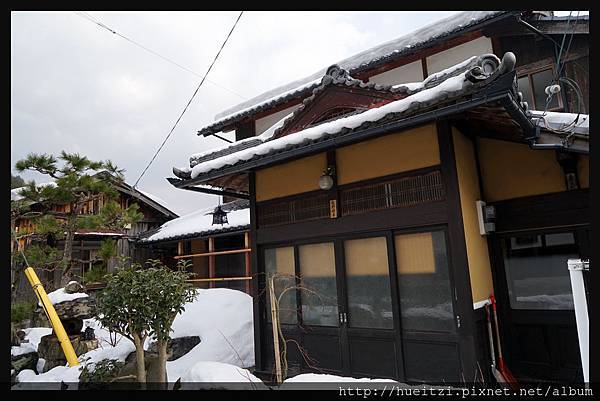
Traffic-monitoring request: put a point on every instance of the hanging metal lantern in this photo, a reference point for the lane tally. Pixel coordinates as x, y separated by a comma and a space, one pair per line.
219, 216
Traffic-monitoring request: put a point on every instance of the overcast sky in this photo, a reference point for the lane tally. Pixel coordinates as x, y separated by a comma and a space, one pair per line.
80, 88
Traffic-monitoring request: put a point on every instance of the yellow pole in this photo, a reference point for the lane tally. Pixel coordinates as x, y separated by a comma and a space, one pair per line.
61, 334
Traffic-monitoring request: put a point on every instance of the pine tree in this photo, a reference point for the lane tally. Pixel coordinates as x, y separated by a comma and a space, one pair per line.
76, 182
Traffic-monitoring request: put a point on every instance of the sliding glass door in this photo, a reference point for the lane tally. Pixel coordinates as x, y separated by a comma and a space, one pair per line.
357, 304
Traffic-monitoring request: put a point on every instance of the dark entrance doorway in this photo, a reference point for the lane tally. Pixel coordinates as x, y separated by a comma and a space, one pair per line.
535, 302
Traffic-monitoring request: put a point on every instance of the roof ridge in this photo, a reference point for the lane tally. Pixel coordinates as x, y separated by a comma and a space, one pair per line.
462, 21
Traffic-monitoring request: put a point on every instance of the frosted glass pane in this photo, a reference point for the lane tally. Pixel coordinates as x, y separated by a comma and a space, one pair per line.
423, 282
368, 283
317, 269
280, 261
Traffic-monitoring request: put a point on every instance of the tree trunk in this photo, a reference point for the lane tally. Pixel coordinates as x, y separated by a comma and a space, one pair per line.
61, 279
139, 360
162, 362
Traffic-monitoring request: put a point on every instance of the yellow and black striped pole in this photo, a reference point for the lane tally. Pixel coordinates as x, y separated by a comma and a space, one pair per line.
59, 329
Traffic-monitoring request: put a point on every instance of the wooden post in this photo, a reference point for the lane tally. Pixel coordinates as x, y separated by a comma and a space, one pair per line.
247, 259
211, 261
180, 248
275, 325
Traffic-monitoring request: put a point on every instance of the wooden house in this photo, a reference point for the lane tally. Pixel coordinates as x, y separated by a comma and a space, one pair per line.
407, 184
219, 251
87, 242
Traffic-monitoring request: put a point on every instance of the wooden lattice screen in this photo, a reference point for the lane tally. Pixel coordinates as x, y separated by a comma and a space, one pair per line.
290, 211
400, 192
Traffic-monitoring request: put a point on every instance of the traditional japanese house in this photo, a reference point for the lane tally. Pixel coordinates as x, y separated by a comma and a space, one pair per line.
215, 240
87, 242
407, 184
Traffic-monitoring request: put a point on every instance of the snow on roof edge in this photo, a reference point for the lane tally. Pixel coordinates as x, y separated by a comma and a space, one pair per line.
199, 222
361, 58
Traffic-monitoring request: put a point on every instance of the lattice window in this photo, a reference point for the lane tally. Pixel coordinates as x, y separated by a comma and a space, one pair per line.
400, 192
290, 211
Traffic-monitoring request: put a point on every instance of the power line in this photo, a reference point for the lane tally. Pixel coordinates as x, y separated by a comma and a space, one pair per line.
190, 101
92, 19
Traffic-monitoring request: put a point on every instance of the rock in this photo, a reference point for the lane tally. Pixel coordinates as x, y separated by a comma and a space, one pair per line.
52, 352
24, 361
80, 308
72, 326
21, 335
151, 363
177, 347
73, 287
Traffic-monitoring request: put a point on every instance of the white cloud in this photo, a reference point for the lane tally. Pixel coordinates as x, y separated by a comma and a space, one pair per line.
81, 88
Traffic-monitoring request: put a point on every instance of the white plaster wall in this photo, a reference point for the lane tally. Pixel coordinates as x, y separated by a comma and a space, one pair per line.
447, 58
412, 72
262, 124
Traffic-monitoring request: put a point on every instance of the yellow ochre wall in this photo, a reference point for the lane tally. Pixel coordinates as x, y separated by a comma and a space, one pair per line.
291, 178
395, 153
513, 170
477, 250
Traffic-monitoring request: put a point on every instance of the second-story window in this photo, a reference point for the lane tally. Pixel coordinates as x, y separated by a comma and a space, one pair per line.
533, 83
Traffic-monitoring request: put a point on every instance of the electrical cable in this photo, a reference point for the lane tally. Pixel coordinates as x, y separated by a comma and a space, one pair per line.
111, 30
190, 101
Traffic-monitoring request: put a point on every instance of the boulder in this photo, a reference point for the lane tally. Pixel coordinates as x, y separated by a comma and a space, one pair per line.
73, 287
151, 362
24, 361
50, 349
80, 308
177, 347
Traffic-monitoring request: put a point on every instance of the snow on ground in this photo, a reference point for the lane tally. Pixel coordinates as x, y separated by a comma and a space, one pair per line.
221, 317
34, 335
223, 320
213, 374
24, 348
55, 375
60, 295
318, 378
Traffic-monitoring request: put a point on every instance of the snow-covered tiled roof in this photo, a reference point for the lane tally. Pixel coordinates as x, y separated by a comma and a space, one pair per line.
199, 223
380, 54
461, 79
562, 122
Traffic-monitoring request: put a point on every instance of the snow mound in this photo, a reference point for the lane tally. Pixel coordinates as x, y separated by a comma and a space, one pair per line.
24, 348
65, 374
216, 375
60, 295
318, 378
223, 320
34, 335
221, 317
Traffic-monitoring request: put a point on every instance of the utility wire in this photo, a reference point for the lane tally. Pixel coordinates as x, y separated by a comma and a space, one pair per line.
90, 18
190, 101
